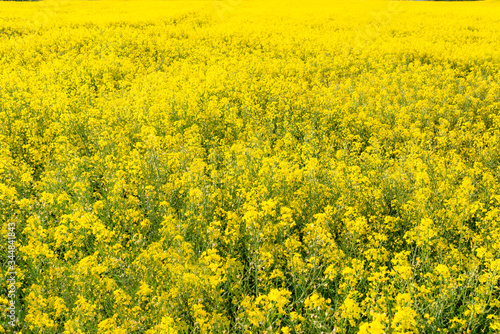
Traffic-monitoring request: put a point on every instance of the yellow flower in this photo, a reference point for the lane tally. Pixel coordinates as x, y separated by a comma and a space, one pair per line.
280, 297
374, 327
351, 310
144, 289
442, 270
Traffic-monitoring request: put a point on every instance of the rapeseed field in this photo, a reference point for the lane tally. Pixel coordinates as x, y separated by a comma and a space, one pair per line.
250, 166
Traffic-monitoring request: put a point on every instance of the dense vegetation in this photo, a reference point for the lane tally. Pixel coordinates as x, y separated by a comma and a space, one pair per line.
185, 166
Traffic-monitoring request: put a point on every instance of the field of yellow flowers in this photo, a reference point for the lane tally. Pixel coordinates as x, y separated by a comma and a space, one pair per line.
249, 166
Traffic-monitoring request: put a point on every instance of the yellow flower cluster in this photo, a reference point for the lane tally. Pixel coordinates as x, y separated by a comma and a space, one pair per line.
250, 166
